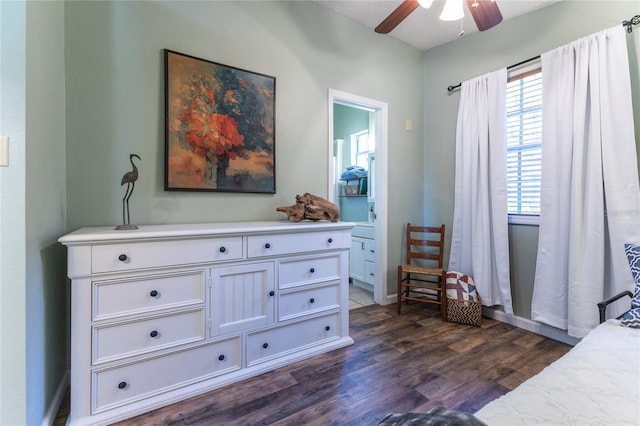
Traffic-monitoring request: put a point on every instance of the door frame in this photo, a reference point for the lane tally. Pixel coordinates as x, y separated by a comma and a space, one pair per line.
381, 118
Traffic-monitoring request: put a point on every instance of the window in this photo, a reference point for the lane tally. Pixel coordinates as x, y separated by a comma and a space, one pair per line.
524, 146
360, 149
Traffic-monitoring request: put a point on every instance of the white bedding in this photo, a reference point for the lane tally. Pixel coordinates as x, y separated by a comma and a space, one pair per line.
596, 383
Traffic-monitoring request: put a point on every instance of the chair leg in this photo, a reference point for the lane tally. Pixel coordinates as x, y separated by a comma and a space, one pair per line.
443, 297
399, 293
407, 290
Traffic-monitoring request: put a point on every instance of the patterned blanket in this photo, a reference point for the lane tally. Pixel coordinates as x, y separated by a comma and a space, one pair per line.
439, 416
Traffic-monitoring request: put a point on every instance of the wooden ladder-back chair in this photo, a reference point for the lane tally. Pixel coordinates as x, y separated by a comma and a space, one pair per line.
422, 278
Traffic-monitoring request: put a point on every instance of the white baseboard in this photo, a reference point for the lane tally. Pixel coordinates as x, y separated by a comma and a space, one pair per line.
50, 415
530, 325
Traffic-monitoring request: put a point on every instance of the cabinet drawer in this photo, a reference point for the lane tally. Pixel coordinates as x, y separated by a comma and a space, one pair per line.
267, 344
370, 250
128, 256
307, 301
127, 339
294, 273
273, 245
147, 293
129, 383
370, 272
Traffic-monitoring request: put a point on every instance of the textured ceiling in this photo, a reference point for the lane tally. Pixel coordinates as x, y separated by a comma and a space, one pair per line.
423, 28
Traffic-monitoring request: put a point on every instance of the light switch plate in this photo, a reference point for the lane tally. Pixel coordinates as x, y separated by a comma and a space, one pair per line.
4, 151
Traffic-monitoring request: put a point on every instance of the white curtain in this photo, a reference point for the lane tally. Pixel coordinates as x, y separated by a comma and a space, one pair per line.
590, 199
479, 243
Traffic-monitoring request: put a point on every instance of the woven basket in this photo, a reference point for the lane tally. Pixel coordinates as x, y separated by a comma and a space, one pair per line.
467, 312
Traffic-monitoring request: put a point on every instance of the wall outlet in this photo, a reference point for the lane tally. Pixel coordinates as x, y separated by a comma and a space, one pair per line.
4, 151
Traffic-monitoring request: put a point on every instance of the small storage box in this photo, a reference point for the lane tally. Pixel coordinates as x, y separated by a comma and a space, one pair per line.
351, 189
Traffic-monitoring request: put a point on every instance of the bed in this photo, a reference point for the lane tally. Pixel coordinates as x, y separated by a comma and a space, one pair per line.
596, 383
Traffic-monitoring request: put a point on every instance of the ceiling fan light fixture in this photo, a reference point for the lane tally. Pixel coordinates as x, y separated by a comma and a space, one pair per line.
425, 3
452, 11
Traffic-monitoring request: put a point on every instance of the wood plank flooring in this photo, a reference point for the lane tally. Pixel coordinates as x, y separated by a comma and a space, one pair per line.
399, 363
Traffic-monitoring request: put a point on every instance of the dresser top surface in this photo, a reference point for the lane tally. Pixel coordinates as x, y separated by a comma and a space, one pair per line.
110, 234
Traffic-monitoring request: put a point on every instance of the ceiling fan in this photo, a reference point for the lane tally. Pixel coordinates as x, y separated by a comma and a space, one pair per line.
485, 13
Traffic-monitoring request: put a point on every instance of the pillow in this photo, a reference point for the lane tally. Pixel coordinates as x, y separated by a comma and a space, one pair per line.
631, 318
633, 256
461, 287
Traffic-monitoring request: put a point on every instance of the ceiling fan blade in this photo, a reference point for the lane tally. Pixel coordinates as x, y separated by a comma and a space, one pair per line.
485, 12
397, 16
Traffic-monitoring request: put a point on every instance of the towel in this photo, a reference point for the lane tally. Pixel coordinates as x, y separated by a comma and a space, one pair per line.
353, 172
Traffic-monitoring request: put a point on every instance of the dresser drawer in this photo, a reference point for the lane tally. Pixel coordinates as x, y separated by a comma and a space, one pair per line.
292, 273
128, 256
308, 301
279, 244
117, 341
267, 344
129, 383
147, 293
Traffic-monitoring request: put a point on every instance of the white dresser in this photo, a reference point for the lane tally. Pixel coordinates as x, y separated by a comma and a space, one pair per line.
167, 312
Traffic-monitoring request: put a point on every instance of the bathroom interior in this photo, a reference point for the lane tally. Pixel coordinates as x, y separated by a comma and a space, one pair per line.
354, 159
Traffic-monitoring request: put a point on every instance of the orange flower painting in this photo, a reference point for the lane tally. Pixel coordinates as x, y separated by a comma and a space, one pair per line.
220, 127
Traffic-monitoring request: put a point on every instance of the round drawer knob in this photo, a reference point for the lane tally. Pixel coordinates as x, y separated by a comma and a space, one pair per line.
330, 240
221, 358
154, 333
327, 328
265, 345
153, 293
312, 300
272, 293
122, 258
312, 270
223, 249
267, 246
122, 385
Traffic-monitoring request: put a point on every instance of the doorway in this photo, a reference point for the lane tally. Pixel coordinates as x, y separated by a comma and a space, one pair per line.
378, 178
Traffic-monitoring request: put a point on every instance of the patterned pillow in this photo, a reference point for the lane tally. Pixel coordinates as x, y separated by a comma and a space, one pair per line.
461, 287
633, 256
631, 318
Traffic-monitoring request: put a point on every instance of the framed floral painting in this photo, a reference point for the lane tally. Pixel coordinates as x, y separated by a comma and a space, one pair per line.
220, 127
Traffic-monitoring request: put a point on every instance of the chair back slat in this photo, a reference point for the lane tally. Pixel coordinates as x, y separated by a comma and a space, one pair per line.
428, 256
425, 243
429, 243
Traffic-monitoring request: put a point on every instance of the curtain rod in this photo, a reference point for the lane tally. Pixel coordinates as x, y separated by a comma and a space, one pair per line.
452, 88
629, 24
633, 21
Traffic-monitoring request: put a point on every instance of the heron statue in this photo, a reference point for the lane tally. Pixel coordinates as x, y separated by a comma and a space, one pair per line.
130, 179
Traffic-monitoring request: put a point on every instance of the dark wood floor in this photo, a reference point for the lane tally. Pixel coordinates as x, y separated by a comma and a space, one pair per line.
399, 363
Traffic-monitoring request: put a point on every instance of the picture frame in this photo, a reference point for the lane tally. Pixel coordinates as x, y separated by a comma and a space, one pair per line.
219, 127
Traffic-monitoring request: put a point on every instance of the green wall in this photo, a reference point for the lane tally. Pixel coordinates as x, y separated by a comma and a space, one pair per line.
33, 293
13, 389
476, 54
47, 297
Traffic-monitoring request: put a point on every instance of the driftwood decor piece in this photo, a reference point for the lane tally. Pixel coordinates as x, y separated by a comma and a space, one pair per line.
311, 207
